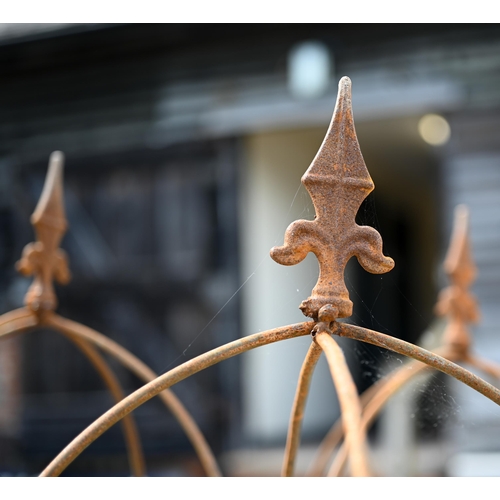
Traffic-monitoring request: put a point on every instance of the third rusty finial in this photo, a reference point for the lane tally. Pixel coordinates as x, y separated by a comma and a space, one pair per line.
455, 301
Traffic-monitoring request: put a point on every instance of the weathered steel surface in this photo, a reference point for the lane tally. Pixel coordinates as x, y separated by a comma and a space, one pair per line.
44, 259
455, 301
338, 181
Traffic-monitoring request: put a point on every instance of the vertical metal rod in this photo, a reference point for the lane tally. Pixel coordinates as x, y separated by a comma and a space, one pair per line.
349, 403
392, 384
395, 379
375, 405
172, 377
299, 403
335, 435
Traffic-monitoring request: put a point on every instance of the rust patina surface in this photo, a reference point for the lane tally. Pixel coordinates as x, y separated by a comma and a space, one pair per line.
338, 182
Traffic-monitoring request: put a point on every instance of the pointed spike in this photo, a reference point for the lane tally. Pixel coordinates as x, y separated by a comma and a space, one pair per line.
459, 264
339, 158
50, 208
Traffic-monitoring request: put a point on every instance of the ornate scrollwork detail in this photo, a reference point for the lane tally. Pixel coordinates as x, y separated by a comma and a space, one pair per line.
44, 259
338, 182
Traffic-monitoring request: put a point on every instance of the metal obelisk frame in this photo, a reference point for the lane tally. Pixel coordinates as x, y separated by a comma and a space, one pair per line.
338, 181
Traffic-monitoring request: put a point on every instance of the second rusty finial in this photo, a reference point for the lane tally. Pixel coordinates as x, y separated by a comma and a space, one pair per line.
338, 182
44, 259
456, 301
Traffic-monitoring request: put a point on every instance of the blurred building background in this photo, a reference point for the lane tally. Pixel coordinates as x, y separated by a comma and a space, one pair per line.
184, 149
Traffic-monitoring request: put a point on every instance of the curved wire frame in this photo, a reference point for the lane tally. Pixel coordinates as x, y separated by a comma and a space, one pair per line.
372, 401
210, 358
338, 181
391, 384
23, 320
46, 261
166, 380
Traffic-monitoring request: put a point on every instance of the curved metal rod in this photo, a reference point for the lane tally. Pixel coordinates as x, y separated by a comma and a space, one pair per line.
374, 398
415, 352
153, 388
374, 405
299, 403
334, 436
22, 319
132, 439
19, 320
385, 386
143, 372
350, 406
395, 382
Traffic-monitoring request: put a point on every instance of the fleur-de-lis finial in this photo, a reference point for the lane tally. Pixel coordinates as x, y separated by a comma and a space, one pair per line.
455, 301
338, 182
44, 259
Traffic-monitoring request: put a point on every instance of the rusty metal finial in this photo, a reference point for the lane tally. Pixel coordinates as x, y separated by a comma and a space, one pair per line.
456, 301
44, 259
338, 182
